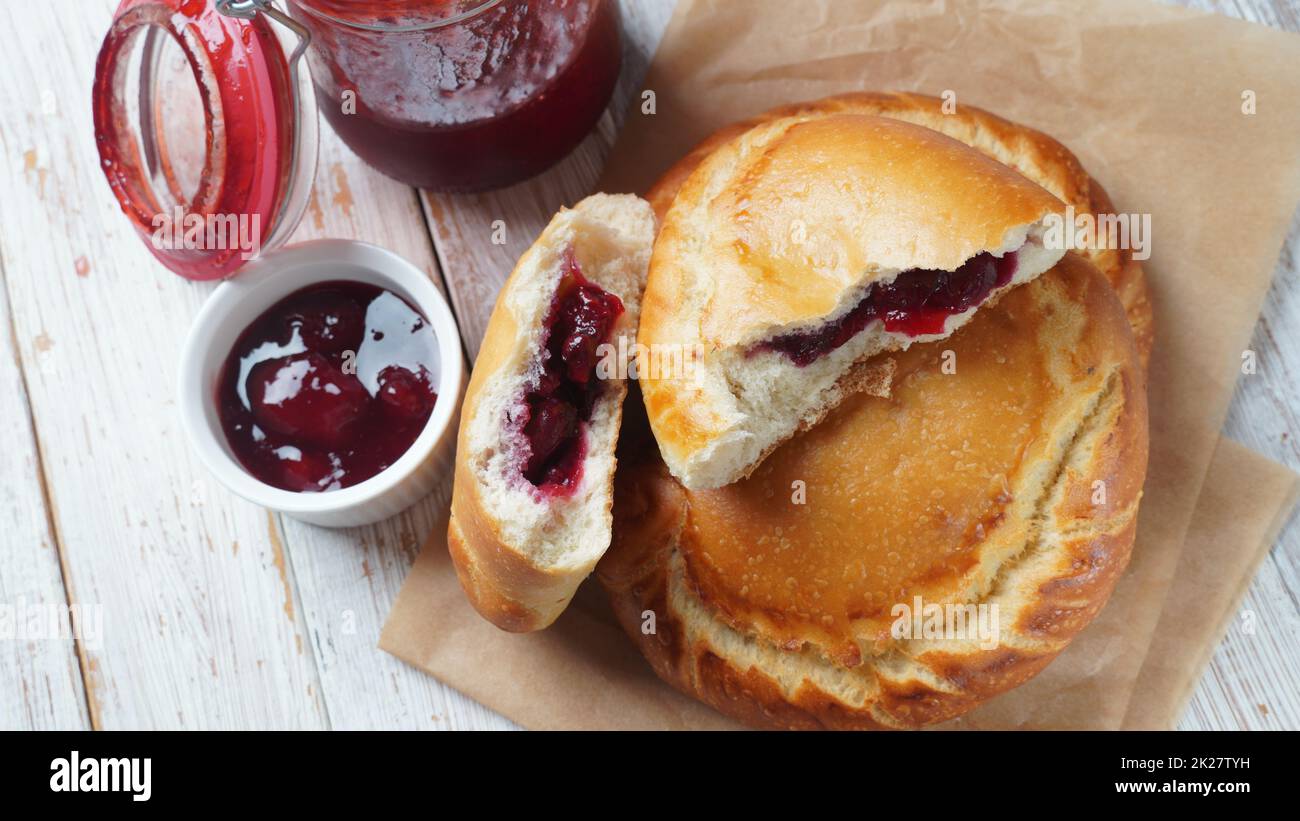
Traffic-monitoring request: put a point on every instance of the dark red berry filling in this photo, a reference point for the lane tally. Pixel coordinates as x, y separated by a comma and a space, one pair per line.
916, 302
580, 319
328, 387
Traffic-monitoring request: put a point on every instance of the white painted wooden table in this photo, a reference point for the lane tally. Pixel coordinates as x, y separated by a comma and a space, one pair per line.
199, 610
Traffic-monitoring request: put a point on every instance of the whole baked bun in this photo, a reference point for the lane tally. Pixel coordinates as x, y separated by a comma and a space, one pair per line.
801, 249
1003, 472
1033, 153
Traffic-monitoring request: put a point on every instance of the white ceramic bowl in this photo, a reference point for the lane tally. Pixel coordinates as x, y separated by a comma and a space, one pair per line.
235, 304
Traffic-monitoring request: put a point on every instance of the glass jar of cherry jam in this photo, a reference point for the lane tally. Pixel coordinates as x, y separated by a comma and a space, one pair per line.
462, 95
206, 113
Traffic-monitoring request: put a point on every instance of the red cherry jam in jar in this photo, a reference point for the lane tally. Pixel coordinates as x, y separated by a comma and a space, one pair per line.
328, 387
462, 95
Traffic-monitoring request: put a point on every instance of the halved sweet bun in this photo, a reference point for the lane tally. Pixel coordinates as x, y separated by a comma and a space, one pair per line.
1033, 153
1002, 490
530, 512
802, 248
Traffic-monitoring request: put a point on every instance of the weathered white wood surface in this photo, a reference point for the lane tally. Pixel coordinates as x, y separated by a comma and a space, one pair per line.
40, 681
201, 626
216, 614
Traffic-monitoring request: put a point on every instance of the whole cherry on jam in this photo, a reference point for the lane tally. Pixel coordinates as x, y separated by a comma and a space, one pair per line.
407, 394
328, 387
306, 397
328, 321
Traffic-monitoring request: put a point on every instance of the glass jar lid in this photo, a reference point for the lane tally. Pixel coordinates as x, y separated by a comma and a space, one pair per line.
206, 128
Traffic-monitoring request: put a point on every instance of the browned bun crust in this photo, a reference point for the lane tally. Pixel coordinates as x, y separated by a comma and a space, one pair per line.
977, 486
1032, 153
506, 587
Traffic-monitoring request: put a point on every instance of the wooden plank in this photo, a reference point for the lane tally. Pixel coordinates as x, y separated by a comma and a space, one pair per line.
40, 680
202, 627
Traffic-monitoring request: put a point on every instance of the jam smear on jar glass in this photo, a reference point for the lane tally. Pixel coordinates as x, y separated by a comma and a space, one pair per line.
462, 95
328, 387
581, 318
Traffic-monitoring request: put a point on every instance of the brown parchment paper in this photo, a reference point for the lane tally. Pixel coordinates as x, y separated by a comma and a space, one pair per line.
1150, 98
1214, 571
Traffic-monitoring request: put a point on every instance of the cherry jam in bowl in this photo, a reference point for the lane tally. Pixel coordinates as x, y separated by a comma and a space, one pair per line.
323, 383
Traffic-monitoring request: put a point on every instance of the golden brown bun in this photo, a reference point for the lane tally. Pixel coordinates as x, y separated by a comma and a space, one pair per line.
1012, 481
520, 557
1032, 153
786, 227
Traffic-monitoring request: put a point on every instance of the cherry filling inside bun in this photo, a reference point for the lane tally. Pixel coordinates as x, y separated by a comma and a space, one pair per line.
530, 509
581, 318
915, 303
